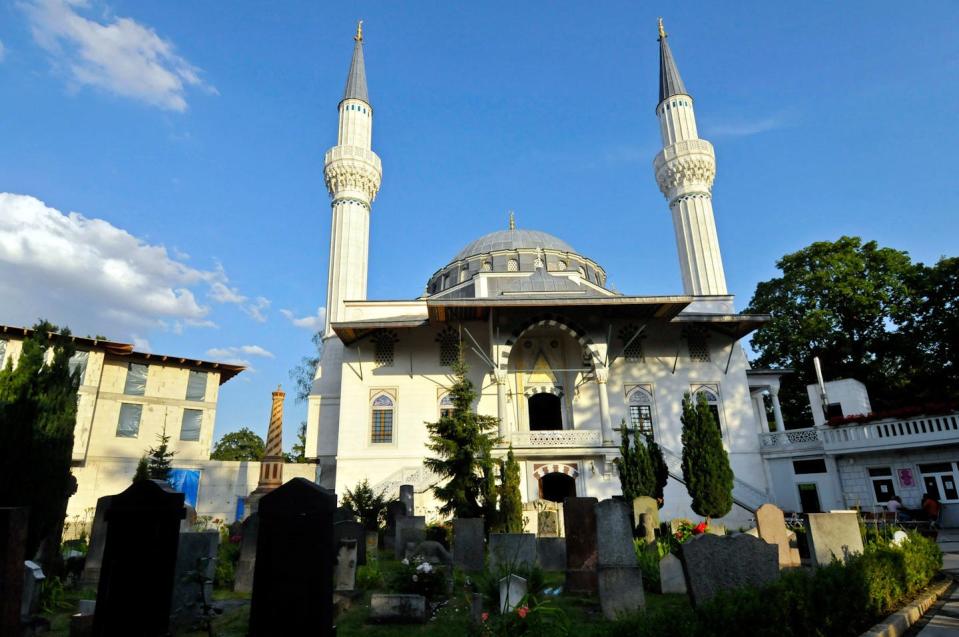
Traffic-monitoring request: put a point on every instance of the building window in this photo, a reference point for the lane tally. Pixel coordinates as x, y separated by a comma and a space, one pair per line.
487, 266
804, 467
582, 272
882, 484
449, 342
939, 481
512, 265
561, 266
698, 346
196, 386
464, 274
382, 428
711, 394
136, 383
641, 411
190, 427
128, 425
446, 406
632, 343
384, 346
78, 364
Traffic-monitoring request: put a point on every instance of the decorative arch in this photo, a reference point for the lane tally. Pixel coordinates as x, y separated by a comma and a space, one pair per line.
569, 470
564, 325
556, 390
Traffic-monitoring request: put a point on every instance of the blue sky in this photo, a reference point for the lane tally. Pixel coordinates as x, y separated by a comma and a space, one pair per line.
191, 138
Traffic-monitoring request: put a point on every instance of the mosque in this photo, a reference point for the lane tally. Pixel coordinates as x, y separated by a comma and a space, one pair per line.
560, 359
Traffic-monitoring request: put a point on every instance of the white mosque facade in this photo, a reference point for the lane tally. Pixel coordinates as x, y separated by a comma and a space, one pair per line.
556, 356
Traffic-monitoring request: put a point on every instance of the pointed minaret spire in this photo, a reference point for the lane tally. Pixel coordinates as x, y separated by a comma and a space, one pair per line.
512, 220
356, 80
669, 81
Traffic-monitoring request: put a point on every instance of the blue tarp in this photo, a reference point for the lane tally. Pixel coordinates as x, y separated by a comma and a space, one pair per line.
186, 481
240, 506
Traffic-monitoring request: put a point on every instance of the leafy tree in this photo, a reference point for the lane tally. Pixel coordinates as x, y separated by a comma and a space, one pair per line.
706, 470
660, 470
510, 498
143, 470
239, 445
365, 504
460, 441
636, 476
159, 458
38, 402
304, 372
298, 450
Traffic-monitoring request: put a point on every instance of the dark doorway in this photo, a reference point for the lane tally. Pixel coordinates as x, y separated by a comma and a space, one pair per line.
809, 498
556, 487
545, 412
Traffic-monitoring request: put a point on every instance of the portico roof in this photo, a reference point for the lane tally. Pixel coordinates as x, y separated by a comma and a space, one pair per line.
734, 325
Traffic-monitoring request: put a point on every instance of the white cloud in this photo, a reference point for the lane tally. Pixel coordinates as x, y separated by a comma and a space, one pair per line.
315, 322
746, 128
95, 277
3, 51
119, 55
233, 352
141, 344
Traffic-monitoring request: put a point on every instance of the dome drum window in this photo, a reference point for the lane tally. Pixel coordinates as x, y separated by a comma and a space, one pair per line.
512, 265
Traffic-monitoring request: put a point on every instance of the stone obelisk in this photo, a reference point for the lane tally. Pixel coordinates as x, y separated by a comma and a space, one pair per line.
271, 467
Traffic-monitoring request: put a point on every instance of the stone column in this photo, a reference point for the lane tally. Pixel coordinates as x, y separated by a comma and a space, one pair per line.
759, 405
271, 467
502, 410
602, 376
777, 410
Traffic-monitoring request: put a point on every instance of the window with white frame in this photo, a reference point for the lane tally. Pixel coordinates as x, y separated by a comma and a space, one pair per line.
191, 424
640, 402
128, 425
711, 394
446, 406
136, 382
939, 480
383, 411
196, 385
78, 364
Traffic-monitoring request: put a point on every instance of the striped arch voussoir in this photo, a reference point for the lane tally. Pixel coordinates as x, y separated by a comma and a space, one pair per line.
569, 470
543, 389
562, 324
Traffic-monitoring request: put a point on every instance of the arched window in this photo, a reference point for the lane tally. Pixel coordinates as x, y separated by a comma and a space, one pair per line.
711, 394
512, 265
641, 410
382, 419
446, 406
487, 266
582, 272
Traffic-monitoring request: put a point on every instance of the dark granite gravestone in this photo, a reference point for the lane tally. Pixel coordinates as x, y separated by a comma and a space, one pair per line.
469, 546
513, 549
13, 539
409, 529
713, 563
196, 556
350, 530
579, 518
295, 556
139, 558
243, 574
342, 514
620, 582
406, 497
394, 510
551, 553
98, 536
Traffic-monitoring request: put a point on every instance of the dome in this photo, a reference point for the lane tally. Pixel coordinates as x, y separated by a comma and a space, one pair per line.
513, 240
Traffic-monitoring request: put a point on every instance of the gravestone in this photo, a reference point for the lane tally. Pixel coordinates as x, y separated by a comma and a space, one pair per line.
243, 574
346, 563
432, 552
393, 608
646, 529
645, 505
188, 523
143, 531
716, 529
713, 563
13, 539
394, 510
469, 546
512, 590
196, 552
410, 528
833, 535
547, 523
293, 576
579, 518
372, 543
406, 497
98, 536
32, 580
620, 590
350, 530
620, 582
551, 553
671, 577
771, 526
476, 608
342, 514
512, 549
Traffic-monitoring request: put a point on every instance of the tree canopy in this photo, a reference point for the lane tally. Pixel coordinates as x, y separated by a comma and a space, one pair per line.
239, 445
303, 373
706, 470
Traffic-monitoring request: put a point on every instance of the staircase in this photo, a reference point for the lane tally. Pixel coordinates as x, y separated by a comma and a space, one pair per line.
745, 495
420, 477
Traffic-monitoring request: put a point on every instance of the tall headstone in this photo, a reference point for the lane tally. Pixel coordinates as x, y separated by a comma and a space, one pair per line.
195, 561
579, 518
351, 530
671, 577
98, 537
293, 575
468, 544
143, 531
409, 529
243, 574
551, 553
13, 540
648, 506
833, 535
646, 529
620, 582
407, 498
512, 549
713, 563
271, 467
346, 563
771, 526
33, 577
394, 510
547, 523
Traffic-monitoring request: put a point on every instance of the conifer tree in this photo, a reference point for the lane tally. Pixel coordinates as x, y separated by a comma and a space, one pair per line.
461, 442
489, 495
143, 470
660, 470
706, 470
510, 498
159, 458
636, 476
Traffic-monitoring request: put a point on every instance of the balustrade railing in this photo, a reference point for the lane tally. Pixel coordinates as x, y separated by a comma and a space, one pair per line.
557, 438
922, 430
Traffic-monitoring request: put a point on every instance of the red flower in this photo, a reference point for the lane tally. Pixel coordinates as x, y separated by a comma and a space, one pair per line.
485, 616
521, 611
700, 528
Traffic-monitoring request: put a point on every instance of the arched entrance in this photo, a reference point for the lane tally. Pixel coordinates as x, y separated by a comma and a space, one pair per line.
545, 412
556, 487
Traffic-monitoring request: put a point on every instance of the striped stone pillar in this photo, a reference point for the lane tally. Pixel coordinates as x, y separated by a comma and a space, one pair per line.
271, 468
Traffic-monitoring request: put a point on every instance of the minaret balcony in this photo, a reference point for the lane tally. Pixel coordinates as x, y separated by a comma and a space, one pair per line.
685, 147
355, 154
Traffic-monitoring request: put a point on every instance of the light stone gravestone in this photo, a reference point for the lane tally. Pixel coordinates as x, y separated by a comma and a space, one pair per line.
833, 536
547, 523
352, 530
646, 529
468, 544
409, 529
195, 556
512, 590
771, 526
32, 578
393, 608
372, 543
671, 577
620, 582
551, 553
98, 536
512, 549
713, 563
649, 506
716, 529
579, 518
243, 575
407, 498
346, 562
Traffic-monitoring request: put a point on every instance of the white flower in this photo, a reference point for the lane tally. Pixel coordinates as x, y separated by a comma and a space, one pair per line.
415, 578
405, 562
425, 567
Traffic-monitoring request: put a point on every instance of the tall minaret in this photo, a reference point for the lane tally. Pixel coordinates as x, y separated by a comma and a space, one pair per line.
685, 169
352, 173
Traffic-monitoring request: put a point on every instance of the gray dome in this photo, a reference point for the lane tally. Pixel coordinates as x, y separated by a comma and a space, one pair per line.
512, 240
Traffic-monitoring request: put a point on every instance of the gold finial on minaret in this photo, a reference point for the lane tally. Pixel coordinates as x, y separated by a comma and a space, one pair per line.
512, 220
662, 31
359, 31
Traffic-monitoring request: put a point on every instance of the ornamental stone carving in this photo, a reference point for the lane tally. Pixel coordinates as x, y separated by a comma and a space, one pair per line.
681, 173
352, 170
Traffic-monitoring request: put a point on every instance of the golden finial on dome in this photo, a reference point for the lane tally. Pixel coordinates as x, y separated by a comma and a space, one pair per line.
662, 31
512, 220
359, 31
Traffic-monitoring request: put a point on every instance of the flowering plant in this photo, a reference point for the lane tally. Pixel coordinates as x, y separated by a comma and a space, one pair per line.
686, 530
420, 577
530, 617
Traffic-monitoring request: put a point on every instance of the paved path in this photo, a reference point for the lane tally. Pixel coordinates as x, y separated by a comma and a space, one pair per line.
945, 621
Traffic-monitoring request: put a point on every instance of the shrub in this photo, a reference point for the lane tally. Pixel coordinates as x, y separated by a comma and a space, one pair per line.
227, 555
419, 577
530, 617
439, 532
369, 576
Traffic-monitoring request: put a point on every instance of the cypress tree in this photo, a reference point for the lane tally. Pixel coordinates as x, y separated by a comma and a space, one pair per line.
159, 458
660, 470
706, 470
510, 499
636, 476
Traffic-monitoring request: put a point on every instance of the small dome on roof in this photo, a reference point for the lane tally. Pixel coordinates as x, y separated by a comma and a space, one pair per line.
512, 240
